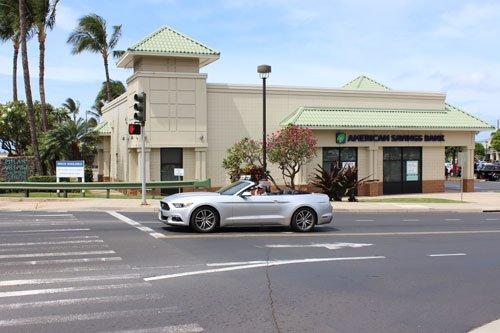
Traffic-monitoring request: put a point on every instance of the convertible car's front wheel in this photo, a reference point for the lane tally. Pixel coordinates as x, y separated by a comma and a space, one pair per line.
204, 219
303, 220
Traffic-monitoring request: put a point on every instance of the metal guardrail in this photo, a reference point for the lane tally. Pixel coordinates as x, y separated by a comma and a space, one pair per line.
65, 186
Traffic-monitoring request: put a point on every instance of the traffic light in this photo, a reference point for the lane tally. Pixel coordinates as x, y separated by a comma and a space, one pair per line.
140, 107
134, 129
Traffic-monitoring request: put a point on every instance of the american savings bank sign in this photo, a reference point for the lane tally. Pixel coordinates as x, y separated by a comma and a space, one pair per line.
343, 137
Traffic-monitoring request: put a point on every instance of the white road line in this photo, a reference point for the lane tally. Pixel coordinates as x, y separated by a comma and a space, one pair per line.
268, 264
234, 263
31, 271
65, 247
446, 254
85, 300
452, 219
330, 246
54, 254
68, 279
35, 215
82, 316
185, 328
364, 220
42, 230
53, 243
136, 224
411, 220
29, 292
59, 261
492, 219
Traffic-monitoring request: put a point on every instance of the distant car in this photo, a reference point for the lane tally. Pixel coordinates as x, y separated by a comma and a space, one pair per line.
489, 171
234, 205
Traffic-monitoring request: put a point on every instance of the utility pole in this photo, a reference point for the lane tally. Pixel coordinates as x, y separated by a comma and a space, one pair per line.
140, 117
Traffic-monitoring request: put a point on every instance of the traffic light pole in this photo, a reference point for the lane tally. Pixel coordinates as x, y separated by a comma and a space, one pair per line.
143, 165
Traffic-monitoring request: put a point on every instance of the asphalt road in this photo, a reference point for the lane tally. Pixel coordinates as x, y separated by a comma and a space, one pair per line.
479, 186
126, 272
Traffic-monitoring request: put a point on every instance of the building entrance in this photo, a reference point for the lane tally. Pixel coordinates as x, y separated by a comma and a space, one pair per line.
402, 170
170, 158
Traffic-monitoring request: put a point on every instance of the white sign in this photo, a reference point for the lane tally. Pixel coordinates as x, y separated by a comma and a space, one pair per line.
348, 164
70, 169
411, 170
179, 172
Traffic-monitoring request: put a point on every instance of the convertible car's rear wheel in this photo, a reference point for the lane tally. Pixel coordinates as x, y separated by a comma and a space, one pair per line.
204, 219
303, 219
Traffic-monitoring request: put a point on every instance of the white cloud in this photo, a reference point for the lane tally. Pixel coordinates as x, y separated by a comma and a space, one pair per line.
66, 18
471, 18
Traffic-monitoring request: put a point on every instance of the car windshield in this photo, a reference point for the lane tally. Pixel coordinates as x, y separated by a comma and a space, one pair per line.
233, 188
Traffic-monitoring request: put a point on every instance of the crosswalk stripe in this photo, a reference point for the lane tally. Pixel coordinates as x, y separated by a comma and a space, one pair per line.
82, 316
54, 254
68, 279
42, 230
84, 241
31, 271
30, 292
185, 328
59, 261
85, 300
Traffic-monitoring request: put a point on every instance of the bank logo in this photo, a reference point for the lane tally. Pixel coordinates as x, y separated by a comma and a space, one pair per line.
340, 138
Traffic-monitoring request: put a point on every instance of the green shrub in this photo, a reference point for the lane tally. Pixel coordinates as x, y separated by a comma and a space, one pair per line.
42, 179
89, 174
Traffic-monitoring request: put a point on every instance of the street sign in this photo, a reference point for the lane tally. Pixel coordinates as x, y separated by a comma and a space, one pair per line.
179, 172
70, 169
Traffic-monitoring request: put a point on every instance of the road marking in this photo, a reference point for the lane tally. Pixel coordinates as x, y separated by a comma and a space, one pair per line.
68, 279
411, 220
446, 254
258, 265
42, 230
59, 261
234, 263
55, 254
136, 224
185, 328
34, 215
330, 246
70, 289
82, 316
53, 243
330, 234
452, 219
492, 219
31, 271
85, 300
364, 220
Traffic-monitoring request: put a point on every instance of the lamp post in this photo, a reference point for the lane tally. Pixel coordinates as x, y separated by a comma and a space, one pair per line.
264, 71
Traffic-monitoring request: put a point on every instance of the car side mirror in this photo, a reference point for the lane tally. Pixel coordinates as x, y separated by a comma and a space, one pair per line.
246, 194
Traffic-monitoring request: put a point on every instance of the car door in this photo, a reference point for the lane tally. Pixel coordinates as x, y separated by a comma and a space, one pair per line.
256, 210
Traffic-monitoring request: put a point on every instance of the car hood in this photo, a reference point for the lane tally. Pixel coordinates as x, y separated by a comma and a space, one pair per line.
189, 195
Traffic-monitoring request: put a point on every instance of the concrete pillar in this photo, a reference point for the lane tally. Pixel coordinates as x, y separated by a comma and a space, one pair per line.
106, 164
468, 169
372, 162
201, 163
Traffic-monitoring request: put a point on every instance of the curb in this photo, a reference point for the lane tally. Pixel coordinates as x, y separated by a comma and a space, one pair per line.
492, 327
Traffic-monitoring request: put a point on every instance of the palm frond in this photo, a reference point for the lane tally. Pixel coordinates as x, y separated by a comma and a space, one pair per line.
115, 36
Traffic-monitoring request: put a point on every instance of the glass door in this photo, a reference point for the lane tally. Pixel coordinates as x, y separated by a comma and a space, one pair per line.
402, 170
170, 158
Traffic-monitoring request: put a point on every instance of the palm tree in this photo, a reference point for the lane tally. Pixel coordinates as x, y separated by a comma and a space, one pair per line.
23, 31
72, 106
9, 30
90, 35
43, 13
71, 140
116, 89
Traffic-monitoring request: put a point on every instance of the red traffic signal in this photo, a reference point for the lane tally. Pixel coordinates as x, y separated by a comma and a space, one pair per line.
134, 129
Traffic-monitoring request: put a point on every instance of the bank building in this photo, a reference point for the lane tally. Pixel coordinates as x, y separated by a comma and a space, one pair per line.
396, 138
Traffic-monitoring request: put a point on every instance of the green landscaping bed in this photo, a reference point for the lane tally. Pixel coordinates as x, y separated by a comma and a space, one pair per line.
73, 195
413, 200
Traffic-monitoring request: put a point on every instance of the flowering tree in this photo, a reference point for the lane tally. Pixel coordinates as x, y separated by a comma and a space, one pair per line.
291, 148
244, 155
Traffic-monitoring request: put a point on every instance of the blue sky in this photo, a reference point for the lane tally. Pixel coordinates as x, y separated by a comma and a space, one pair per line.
447, 45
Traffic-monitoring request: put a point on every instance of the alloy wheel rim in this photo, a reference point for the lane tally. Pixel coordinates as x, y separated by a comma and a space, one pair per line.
205, 219
304, 219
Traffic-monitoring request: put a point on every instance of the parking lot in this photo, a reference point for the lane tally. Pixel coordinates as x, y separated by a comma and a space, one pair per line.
126, 272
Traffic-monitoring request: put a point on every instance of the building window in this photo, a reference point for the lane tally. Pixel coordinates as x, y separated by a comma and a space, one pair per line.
340, 157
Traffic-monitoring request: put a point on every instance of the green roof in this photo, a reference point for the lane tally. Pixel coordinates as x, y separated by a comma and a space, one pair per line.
342, 117
169, 41
103, 129
363, 82
335, 117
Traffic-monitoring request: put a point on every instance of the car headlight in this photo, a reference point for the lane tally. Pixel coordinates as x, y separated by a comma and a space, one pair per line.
181, 204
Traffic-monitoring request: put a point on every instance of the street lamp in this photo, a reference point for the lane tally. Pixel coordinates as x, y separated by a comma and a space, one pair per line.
264, 71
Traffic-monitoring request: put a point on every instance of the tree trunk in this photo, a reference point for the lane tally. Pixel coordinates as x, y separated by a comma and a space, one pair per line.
14, 70
27, 85
108, 88
41, 77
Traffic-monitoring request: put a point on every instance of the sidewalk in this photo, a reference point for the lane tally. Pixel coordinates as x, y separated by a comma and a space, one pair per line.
473, 202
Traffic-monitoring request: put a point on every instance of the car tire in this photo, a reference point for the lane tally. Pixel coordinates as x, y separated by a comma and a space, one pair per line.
204, 219
303, 220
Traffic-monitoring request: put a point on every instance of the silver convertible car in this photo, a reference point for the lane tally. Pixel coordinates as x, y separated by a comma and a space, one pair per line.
235, 205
